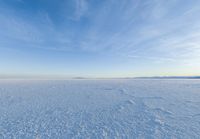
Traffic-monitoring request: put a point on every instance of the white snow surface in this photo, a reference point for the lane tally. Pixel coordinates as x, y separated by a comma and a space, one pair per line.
113, 109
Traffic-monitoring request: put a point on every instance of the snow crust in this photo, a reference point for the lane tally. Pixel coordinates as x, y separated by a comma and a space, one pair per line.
61, 109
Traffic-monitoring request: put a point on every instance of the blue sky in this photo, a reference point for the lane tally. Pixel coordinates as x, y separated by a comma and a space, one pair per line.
99, 38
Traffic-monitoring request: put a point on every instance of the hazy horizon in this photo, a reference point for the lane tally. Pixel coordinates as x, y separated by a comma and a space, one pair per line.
63, 77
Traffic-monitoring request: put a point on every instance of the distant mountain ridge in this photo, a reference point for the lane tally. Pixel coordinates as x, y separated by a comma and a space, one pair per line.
170, 77
79, 78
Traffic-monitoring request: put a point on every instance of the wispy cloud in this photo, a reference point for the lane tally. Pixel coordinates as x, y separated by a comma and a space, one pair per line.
81, 7
41, 33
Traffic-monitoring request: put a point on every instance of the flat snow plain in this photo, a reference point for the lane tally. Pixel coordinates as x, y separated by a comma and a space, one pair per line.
65, 109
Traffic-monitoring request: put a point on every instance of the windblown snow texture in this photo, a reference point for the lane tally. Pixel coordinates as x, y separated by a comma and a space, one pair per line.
99, 109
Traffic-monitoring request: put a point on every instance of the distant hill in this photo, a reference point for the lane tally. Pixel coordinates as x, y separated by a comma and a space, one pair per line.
170, 77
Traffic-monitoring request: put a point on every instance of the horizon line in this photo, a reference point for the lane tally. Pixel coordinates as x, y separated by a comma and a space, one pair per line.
55, 77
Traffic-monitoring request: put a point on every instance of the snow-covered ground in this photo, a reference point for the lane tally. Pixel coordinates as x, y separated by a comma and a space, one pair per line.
63, 109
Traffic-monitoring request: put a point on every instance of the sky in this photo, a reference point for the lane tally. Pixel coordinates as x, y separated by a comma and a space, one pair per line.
99, 38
